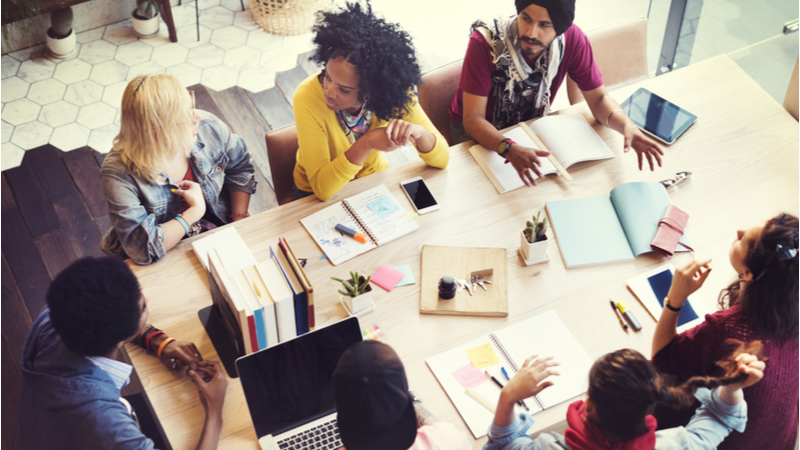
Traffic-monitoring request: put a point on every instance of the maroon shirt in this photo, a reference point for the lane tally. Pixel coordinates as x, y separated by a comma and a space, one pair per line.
478, 67
772, 408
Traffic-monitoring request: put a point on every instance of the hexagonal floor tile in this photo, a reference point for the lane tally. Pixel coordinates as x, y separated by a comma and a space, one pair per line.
13, 88
206, 56
83, 92
147, 68
69, 137
7, 129
216, 17
10, 66
27, 53
186, 73
300, 43
205, 4
242, 58
219, 78
58, 113
120, 32
47, 53
113, 94
31, 135
184, 15
72, 71
90, 35
256, 79
160, 38
244, 20
47, 91
261, 40
234, 5
169, 55
229, 37
11, 156
187, 36
20, 111
96, 115
279, 59
109, 72
133, 53
36, 69
97, 51
102, 139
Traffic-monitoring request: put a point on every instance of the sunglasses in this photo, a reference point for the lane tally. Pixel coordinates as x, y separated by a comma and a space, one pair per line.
680, 177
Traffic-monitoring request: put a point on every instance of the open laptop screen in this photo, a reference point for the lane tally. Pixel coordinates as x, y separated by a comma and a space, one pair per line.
289, 384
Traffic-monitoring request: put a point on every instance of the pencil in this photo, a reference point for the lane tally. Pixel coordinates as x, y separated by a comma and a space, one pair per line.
500, 385
616, 313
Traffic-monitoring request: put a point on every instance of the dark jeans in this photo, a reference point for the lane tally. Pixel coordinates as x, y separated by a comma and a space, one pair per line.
457, 133
298, 194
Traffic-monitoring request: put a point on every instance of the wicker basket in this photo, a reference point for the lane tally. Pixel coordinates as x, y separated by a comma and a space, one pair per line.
287, 17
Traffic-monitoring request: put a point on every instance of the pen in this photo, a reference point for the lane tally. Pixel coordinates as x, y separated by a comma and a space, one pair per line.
616, 313
628, 315
351, 232
505, 374
500, 385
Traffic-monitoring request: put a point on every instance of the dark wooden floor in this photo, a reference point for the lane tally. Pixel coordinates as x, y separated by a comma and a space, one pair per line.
54, 212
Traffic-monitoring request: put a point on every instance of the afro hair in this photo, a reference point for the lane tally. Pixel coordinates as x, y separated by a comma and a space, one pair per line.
382, 53
94, 305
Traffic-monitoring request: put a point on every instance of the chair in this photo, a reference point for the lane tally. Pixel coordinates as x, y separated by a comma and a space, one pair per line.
790, 101
282, 153
620, 51
436, 91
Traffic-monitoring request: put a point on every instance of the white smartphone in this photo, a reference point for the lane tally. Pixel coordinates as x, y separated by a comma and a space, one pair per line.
420, 196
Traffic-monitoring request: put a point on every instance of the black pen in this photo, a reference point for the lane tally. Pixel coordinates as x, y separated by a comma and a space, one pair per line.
500, 385
616, 313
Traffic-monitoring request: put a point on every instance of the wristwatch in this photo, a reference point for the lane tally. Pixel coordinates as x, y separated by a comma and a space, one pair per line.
502, 148
670, 307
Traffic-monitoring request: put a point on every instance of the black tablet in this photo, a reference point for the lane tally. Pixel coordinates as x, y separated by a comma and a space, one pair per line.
657, 117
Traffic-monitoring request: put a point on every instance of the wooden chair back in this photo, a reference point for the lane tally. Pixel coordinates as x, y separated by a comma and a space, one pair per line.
436, 91
282, 152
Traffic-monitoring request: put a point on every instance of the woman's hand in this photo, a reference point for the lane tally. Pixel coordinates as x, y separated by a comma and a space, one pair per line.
686, 281
732, 394
403, 133
529, 380
192, 193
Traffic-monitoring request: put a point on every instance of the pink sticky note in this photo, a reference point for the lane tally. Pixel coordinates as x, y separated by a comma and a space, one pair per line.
469, 377
387, 277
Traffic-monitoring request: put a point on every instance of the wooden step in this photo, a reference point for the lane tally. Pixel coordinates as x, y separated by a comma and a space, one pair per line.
288, 80
273, 106
309, 66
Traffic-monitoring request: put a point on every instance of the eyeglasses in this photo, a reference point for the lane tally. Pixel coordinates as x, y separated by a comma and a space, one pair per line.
680, 177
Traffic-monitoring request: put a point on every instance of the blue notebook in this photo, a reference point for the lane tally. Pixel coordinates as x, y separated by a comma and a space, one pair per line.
609, 228
652, 286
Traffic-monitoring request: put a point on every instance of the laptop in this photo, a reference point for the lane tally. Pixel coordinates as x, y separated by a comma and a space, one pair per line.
289, 388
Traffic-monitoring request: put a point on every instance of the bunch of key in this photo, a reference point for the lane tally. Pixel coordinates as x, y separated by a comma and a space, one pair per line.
472, 282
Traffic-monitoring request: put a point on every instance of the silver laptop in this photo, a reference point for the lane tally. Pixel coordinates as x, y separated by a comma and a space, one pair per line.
289, 388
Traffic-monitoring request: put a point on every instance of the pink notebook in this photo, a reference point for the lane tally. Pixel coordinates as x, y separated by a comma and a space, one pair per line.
387, 277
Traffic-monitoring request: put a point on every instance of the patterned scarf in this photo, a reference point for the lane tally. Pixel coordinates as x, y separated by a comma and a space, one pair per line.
354, 126
521, 92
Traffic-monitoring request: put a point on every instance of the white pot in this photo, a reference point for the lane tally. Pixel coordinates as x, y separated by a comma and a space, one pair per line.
535, 251
361, 302
61, 48
145, 28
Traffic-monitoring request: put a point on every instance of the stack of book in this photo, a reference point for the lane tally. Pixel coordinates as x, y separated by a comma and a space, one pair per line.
260, 303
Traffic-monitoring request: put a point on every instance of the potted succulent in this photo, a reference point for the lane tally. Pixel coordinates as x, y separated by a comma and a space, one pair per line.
533, 243
60, 36
145, 18
357, 294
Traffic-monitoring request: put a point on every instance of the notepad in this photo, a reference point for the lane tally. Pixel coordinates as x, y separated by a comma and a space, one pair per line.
652, 286
545, 335
375, 213
387, 277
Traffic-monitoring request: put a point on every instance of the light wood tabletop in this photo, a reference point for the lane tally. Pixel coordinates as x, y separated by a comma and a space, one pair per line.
743, 153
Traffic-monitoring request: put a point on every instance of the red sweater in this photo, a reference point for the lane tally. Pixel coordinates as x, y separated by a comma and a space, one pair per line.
772, 403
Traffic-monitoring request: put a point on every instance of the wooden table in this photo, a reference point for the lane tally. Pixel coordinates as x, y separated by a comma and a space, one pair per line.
743, 152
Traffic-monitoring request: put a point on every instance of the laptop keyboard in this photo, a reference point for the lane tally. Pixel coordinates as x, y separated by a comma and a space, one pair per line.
323, 436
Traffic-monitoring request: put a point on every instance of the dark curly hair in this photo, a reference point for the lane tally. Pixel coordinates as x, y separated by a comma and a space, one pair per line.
94, 305
382, 53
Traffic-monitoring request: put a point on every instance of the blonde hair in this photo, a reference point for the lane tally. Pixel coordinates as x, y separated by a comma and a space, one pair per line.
156, 124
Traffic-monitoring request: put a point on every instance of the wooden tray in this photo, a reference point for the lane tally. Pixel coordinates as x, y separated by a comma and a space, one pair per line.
438, 261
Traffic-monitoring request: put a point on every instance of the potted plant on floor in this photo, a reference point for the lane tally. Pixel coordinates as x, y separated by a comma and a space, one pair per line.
533, 243
60, 36
145, 18
357, 294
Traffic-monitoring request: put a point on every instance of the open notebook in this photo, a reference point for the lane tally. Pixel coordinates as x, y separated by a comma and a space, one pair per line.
545, 335
376, 213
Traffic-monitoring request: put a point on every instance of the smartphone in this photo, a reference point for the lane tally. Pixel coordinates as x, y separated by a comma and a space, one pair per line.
420, 196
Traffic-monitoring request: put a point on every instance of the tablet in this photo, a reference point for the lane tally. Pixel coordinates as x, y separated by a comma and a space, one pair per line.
657, 117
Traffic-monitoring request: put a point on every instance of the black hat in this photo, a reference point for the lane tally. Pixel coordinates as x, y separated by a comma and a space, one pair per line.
374, 406
562, 12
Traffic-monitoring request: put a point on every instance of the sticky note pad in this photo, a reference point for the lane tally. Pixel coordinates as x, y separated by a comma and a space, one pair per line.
482, 356
387, 277
373, 333
469, 377
409, 277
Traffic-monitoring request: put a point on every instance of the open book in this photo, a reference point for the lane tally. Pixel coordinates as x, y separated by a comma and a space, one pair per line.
544, 335
569, 138
609, 228
375, 213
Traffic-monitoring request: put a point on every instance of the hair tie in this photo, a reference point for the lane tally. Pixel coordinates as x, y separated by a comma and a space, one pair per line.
785, 253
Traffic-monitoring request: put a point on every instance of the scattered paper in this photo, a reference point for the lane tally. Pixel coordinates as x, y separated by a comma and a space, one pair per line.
387, 277
482, 356
409, 277
469, 377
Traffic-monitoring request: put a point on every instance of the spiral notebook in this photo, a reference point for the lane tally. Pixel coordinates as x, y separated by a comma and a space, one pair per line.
469, 389
375, 213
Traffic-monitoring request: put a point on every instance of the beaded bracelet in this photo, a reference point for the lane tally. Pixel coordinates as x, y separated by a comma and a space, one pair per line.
163, 345
183, 222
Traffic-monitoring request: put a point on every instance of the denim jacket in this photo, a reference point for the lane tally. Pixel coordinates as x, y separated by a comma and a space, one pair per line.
137, 208
709, 426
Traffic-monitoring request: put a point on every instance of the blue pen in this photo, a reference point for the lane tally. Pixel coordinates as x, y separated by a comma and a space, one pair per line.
505, 374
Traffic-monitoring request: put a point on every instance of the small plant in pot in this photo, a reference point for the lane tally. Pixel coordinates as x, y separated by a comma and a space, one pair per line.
534, 239
357, 293
145, 18
60, 36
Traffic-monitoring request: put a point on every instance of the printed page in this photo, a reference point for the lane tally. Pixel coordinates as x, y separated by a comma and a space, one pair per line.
321, 226
381, 214
571, 139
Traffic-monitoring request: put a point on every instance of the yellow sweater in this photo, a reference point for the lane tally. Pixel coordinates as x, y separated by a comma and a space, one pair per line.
322, 166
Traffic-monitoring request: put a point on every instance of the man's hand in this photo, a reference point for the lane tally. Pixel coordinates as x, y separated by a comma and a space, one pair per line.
211, 385
178, 354
524, 158
643, 145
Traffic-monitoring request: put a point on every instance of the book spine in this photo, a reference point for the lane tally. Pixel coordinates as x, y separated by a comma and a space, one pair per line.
360, 223
251, 325
261, 328
510, 361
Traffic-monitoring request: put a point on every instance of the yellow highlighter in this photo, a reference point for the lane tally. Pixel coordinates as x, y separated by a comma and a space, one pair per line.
628, 315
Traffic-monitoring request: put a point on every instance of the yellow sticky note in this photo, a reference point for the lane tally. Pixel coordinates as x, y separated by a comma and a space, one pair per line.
482, 356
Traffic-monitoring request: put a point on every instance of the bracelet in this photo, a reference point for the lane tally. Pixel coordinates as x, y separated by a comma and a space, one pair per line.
670, 307
150, 336
239, 216
608, 119
149, 330
183, 222
503, 146
163, 345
